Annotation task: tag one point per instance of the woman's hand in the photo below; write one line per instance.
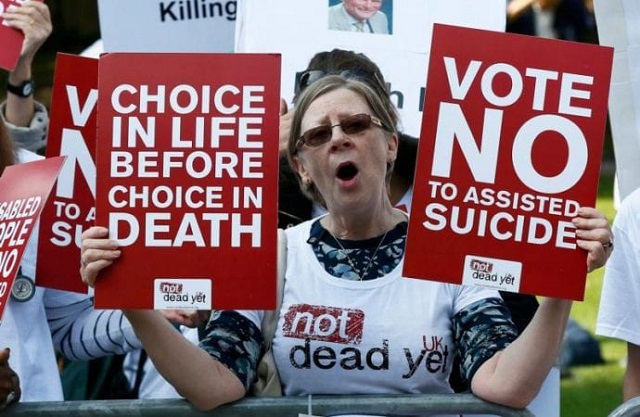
(97, 252)
(9, 381)
(34, 20)
(188, 318)
(593, 235)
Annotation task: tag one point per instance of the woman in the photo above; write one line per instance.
(349, 323)
(294, 207)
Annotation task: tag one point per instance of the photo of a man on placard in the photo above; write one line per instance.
(363, 16)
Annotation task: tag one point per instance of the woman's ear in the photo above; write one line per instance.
(298, 165)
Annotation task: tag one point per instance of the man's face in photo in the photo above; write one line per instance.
(362, 9)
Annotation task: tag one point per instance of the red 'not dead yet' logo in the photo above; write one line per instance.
(170, 288)
(481, 266)
(329, 324)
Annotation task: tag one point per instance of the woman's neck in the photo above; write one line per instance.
(355, 226)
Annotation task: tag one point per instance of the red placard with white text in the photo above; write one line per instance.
(70, 208)
(511, 146)
(187, 175)
(10, 39)
(23, 190)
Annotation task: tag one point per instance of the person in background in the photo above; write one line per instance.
(24, 118)
(619, 310)
(343, 145)
(358, 16)
(37, 320)
(569, 20)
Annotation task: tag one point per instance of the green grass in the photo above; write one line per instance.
(595, 390)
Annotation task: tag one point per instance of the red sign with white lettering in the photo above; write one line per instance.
(10, 39)
(23, 190)
(187, 176)
(510, 148)
(70, 208)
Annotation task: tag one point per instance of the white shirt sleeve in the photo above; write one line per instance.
(619, 311)
(80, 332)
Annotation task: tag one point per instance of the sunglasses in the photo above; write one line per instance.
(306, 78)
(350, 125)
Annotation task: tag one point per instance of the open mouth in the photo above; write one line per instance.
(347, 171)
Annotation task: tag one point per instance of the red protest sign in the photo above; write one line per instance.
(10, 39)
(70, 208)
(187, 173)
(23, 190)
(511, 146)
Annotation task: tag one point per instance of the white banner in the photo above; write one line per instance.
(618, 27)
(299, 29)
(167, 25)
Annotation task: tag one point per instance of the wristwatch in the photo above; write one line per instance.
(25, 89)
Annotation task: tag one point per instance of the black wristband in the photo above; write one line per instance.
(25, 89)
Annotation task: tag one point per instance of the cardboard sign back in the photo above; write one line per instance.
(10, 39)
(187, 164)
(511, 146)
(70, 208)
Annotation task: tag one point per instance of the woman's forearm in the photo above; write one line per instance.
(204, 381)
(514, 376)
(19, 110)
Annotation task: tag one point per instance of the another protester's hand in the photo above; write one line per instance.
(593, 235)
(97, 252)
(285, 127)
(189, 318)
(34, 20)
(9, 381)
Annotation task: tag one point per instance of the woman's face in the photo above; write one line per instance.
(348, 170)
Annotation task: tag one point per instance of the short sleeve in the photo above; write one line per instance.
(481, 329)
(618, 313)
(235, 341)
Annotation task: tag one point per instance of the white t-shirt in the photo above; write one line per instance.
(619, 312)
(388, 335)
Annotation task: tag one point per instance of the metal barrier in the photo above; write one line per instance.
(630, 408)
(401, 405)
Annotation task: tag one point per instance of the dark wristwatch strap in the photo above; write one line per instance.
(25, 89)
